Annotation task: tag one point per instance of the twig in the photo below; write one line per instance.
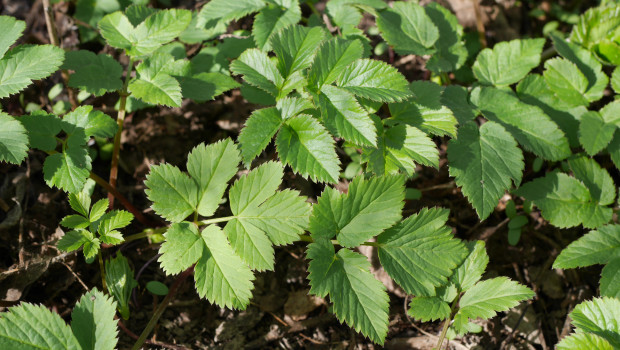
(76, 276)
(161, 308)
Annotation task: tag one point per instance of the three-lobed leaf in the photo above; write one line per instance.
(508, 62)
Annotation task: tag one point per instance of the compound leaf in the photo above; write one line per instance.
(332, 59)
(359, 299)
(408, 28)
(308, 148)
(96, 74)
(599, 316)
(13, 140)
(596, 247)
(296, 46)
(594, 133)
(565, 201)
(11, 30)
(374, 80)
(529, 125)
(345, 118)
(369, 207)
(428, 309)
(258, 131)
(92, 321)
(24, 64)
(596, 179)
(485, 162)
(211, 166)
(67, 170)
(259, 71)
(30, 326)
(488, 297)
(508, 62)
(73, 240)
(221, 276)
(420, 253)
(173, 193)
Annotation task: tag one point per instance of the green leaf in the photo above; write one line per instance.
(92, 321)
(332, 59)
(565, 201)
(451, 51)
(271, 19)
(566, 81)
(157, 288)
(181, 249)
(374, 80)
(595, 24)
(84, 122)
(596, 179)
(359, 299)
(485, 162)
(398, 147)
(290, 107)
(173, 193)
(611, 113)
(250, 242)
(258, 131)
(67, 170)
(221, 276)
(13, 140)
(534, 90)
(138, 13)
(587, 64)
(211, 166)
(408, 29)
(158, 29)
(369, 207)
(117, 31)
(114, 220)
(80, 202)
(615, 80)
(308, 148)
(420, 252)
(96, 74)
(345, 118)
(73, 240)
(155, 87)
(30, 326)
(610, 279)
(508, 62)
(428, 309)
(599, 316)
(488, 297)
(529, 125)
(583, 341)
(203, 87)
(226, 11)
(456, 98)
(259, 71)
(296, 46)
(346, 13)
(11, 30)
(471, 269)
(75, 221)
(594, 133)
(42, 130)
(596, 247)
(425, 110)
(120, 281)
(23, 64)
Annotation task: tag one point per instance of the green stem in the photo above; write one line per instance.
(102, 268)
(120, 120)
(161, 308)
(214, 221)
(144, 234)
(309, 239)
(447, 322)
(314, 10)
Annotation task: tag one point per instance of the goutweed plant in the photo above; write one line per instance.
(323, 94)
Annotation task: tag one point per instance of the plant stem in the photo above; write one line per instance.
(120, 120)
(102, 268)
(446, 323)
(161, 308)
(214, 221)
(147, 232)
(52, 32)
(115, 194)
(314, 10)
(309, 239)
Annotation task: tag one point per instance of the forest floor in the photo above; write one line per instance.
(281, 315)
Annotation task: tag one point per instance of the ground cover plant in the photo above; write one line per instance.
(464, 186)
